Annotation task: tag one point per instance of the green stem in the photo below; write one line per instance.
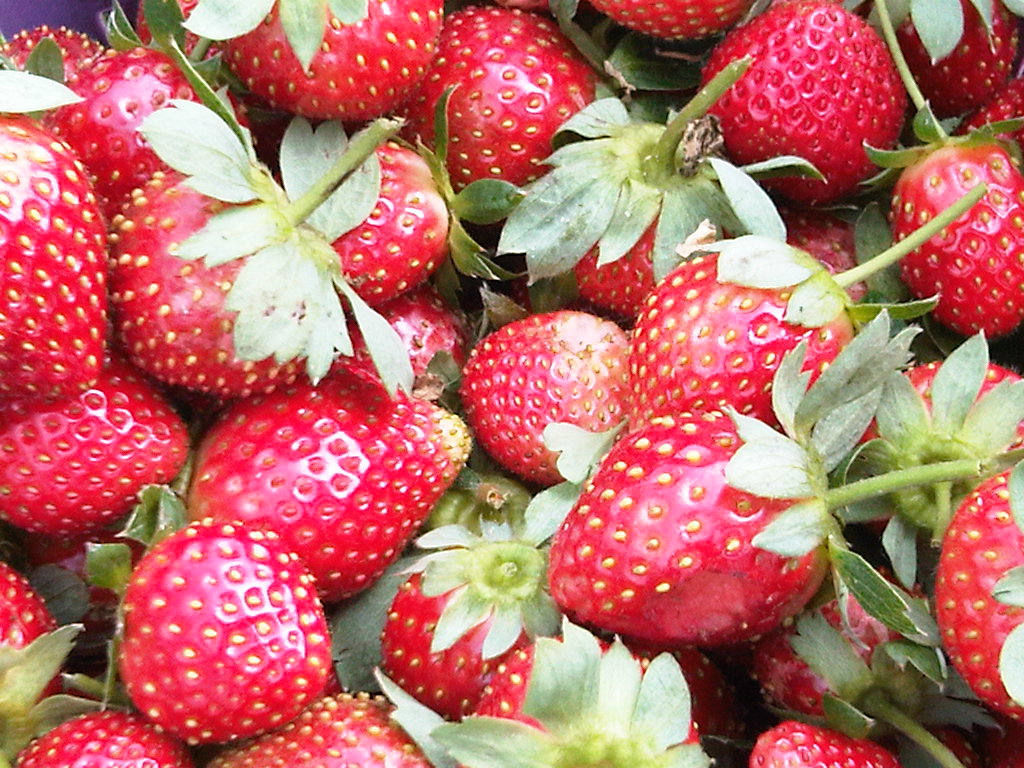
(943, 510)
(878, 706)
(360, 147)
(663, 156)
(915, 239)
(898, 479)
(199, 49)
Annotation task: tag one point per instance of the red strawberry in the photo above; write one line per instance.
(405, 238)
(981, 544)
(658, 547)
(674, 19)
(827, 238)
(704, 344)
(53, 297)
(623, 285)
(973, 267)
(224, 636)
(73, 465)
(792, 744)
(822, 84)
(565, 366)
(343, 472)
(107, 739)
(979, 64)
(191, 39)
(120, 89)
(517, 78)
(360, 71)
(341, 730)
(169, 313)
(23, 614)
(77, 48)
(1005, 103)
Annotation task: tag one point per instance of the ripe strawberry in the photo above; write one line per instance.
(106, 739)
(77, 48)
(622, 285)
(344, 729)
(973, 267)
(73, 465)
(224, 636)
(564, 366)
(821, 86)
(674, 19)
(23, 614)
(703, 344)
(360, 71)
(53, 297)
(169, 313)
(120, 89)
(517, 78)
(658, 547)
(827, 238)
(792, 744)
(342, 472)
(405, 238)
(976, 68)
(191, 39)
(981, 544)
(1005, 103)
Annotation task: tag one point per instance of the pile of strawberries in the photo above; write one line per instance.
(526, 384)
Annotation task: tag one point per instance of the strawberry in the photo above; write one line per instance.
(119, 89)
(23, 614)
(674, 19)
(557, 367)
(703, 343)
(822, 84)
(973, 266)
(53, 298)
(828, 238)
(169, 313)
(516, 79)
(343, 472)
(981, 546)
(658, 547)
(357, 70)
(620, 286)
(344, 729)
(405, 238)
(792, 744)
(106, 739)
(76, 464)
(979, 64)
(77, 48)
(1005, 103)
(224, 636)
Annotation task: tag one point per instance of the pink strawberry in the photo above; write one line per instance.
(224, 636)
(792, 744)
(53, 298)
(565, 366)
(516, 79)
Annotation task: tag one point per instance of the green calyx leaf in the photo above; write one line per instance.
(46, 60)
(762, 262)
(108, 565)
(225, 19)
(816, 301)
(493, 742)
(386, 348)
(118, 29)
(25, 672)
(831, 656)
(1009, 589)
(486, 201)
(165, 21)
(579, 450)
(751, 204)
(304, 23)
(421, 723)
(1011, 664)
(939, 25)
(546, 511)
(160, 512)
(769, 464)
(797, 530)
(22, 92)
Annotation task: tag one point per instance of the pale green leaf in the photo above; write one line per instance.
(564, 682)
(762, 262)
(349, 12)
(777, 469)
(463, 611)
(751, 204)
(579, 449)
(1011, 664)
(663, 706)
(233, 233)
(816, 302)
(939, 25)
(957, 383)
(684, 208)
(797, 530)
(636, 210)
(507, 625)
(844, 716)
(444, 572)
(492, 742)
(901, 414)
(387, 350)
(991, 424)
(1009, 589)
(419, 721)
(1015, 486)
(25, 672)
(225, 19)
(619, 684)
(789, 384)
(831, 655)
(599, 119)
(304, 23)
(547, 510)
(899, 540)
(927, 660)
(840, 430)
(21, 92)
(447, 536)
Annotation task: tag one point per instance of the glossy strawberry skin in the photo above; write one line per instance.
(564, 366)
(659, 548)
(516, 78)
(822, 84)
(77, 48)
(169, 313)
(828, 238)
(53, 299)
(73, 465)
(1005, 103)
(361, 71)
(973, 266)
(105, 739)
(341, 730)
(980, 545)
(675, 19)
(622, 286)
(792, 744)
(341, 471)
(979, 64)
(701, 345)
(224, 636)
(120, 89)
(405, 239)
(23, 614)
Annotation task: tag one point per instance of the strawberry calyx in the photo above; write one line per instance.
(479, 498)
(596, 708)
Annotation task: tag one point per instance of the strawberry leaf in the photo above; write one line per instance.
(637, 60)
(663, 704)
(603, 118)
(349, 11)
(957, 383)
(899, 540)
(782, 166)
(159, 512)
(684, 209)
(837, 432)
(506, 627)
(797, 530)
(636, 209)
(831, 655)
(417, 720)
(1009, 589)
(304, 23)
(789, 385)
(579, 450)
(108, 565)
(901, 414)
(816, 302)
(386, 348)
(233, 233)
(164, 20)
(493, 742)
(991, 424)
(768, 464)
(486, 201)
(118, 29)
(927, 660)
(760, 262)
(843, 716)
(463, 611)
(469, 257)
(1015, 487)
(26, 672)
(939, 25)
(225, 19)
(751, 204)
(565, 680)
(191, 138)
(1011, 664)
(46, 60)
(865, 312)
(307, 155)
(546, 511)
(65, 594)
(619, 682)
(22, 92)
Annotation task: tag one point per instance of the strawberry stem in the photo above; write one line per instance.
(663, 156)
(877, 705)
(360, 147)
(918, 237)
